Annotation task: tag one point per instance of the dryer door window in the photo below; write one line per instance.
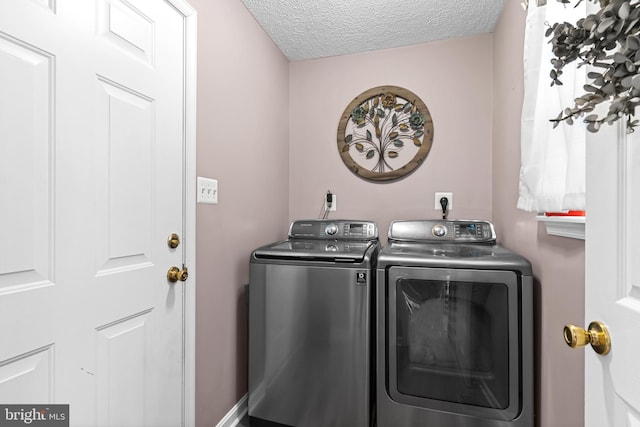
(453, 340)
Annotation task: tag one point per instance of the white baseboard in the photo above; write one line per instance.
(236, 413)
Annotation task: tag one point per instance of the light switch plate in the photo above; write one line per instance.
(207, 190)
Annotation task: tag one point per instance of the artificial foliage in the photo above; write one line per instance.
(609, 42)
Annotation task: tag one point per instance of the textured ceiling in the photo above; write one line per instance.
(306, 29)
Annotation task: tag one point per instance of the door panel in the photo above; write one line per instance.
(125, 159)
(25, 127)
(27, 376)
(127, 28)
(124, 362)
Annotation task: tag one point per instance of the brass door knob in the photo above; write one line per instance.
(173, 241)
(597, 335)
(174, 274)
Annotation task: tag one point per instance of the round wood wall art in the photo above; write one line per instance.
(385, 133)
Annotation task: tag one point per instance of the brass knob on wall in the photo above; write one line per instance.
(597, 335)
(174, 274)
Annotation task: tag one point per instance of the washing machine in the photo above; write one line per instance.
(310, 315)
(454, 328)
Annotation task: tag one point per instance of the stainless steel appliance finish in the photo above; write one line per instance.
(309, 326)
(454, 328)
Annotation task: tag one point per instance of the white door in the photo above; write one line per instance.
(92, 132)
(612, 381)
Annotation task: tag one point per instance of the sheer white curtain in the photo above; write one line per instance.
(552, 160)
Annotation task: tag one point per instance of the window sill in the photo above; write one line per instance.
(564, 226)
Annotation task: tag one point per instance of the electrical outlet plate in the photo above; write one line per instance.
(437, 206)
(333, 207)
(207, 191)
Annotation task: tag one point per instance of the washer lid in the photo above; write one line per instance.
(448, 255)
(317, 250)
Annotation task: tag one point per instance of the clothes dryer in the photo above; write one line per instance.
(310, 314)
(454, 328)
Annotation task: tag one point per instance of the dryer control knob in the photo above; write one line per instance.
(331, 229)
(439, 230)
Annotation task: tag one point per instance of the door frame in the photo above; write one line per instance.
(189, 208)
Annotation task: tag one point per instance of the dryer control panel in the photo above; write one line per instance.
(326, 229)
(464, 231)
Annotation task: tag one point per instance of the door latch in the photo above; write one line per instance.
(176, 274)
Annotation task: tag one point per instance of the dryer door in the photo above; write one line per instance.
(453, 340)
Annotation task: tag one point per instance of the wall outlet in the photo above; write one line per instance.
(333, 207)
(207, 191)
(437, 206)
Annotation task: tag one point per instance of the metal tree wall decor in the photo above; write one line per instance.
(609, 41)
(385, 133)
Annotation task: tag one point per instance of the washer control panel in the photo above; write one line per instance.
(333, 229)
(442, 230)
